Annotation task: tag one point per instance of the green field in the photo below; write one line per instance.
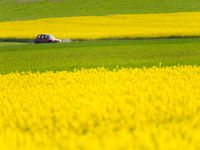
(31, 9)
(90, 54)
(15, 56)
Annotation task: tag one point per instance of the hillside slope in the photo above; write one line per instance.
(31, 9)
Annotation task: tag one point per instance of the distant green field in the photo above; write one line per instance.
(31, 9)
(91, 54)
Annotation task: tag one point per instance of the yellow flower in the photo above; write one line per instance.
(155, 108)
(103, 27)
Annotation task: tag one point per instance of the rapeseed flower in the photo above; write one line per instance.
(148, 108)
(184, 24)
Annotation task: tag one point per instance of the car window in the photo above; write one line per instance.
(45, 36)
(41, 36)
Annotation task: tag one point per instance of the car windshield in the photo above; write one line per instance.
(51, 37)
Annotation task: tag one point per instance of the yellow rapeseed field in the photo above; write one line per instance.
(97, 109)
(104, 27)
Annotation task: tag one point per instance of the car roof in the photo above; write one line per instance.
(44, 34)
